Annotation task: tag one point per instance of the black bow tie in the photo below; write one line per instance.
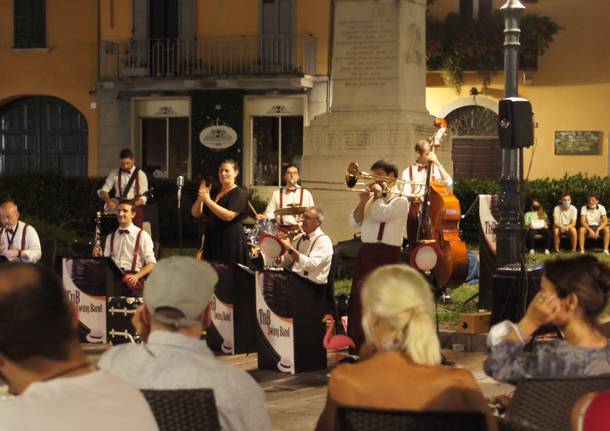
(305, 237)
(11, 231)
(127, 171)
(122, 231)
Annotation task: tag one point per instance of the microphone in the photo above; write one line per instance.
(180, 184)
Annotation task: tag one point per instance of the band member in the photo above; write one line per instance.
(130, 247)
(18, 240)
(310, 254)
(129, 183)
(224, 231)
(292, 194)
(417, 173)
(381, 219)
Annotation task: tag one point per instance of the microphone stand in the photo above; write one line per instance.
(180, 183)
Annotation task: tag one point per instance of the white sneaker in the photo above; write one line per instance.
(606, 252)
(582, 252)
(532, 251)
(546, 251)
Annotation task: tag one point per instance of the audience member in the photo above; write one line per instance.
(573, 292)
(593, 222)
(592, 412)
(398, 323)
(564, 220)
(177, 307)
(537, 223)
(57, 387)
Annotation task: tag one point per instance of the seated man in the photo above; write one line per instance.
(564, 219)
(593, 221)
(57, 387)
(18, 240)
(177, 304)
(311, 253)
(130, 248)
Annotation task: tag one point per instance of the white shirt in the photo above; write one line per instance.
(412, 173)
(174, 361)
(565, 216)
(391, 210)
(316, 255)
(594, 216)
(112, 182)
(95, 401)
(288, 199)
(32, 251)
(122, 251)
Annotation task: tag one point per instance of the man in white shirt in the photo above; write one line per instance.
(381, 219)
(130, 248)
(56, 386)
(175, 312)
(311, 253)
(292, 194)
(416, 175)
(593, 221)
(18, 240)
(126, 188)
(564, 220)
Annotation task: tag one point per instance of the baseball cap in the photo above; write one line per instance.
(183, 283)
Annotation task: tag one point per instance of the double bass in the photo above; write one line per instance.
(439, 250)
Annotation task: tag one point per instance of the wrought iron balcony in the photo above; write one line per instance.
(208, 57)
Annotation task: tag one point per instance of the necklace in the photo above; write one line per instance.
(68, 371)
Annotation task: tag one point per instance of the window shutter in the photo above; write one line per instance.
(29, 19)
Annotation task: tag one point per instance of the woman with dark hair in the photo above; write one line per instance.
(224, 232)
(573, 293)
(536, 222)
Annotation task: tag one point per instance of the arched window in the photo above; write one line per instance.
(476, 150)
(42, 134)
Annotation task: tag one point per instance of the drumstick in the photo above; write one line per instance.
(252, 208)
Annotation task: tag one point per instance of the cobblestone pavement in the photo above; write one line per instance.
(295, 402)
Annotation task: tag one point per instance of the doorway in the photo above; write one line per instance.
(165, 146)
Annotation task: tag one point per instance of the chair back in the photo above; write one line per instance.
(183, 409)
(361, 419)
(546, 403)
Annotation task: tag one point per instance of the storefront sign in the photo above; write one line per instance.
(218, 137)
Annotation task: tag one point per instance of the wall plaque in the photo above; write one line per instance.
(578, 143)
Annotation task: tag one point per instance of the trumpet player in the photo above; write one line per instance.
(381, 218)
(292, 194)
(415, 178)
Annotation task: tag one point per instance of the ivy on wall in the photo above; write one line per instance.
(457, 44)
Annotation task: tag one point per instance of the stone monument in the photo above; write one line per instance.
(378, 109)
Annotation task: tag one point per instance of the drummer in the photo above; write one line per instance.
(291, 195)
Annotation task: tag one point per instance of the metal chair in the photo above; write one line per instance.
(360, 419)
(546, 403)
(183, 409)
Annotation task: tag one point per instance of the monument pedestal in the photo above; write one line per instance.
(378, 100)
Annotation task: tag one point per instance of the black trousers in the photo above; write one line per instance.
(530, 239)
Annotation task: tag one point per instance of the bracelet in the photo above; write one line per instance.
(520, 335)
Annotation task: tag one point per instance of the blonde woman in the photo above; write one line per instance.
(404, 372)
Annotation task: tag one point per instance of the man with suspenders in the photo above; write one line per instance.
(380, 219)
(129, 183)
(130, 247)
(310, 254)
(18, 240)
(290, 195)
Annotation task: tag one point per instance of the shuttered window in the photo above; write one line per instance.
(29, 23)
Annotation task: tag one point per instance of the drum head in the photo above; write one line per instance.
(271, 246)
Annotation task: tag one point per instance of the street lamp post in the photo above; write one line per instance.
(509, 229)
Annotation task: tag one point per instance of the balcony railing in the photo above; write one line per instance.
(208, 57)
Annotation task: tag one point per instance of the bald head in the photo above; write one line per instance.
(9, 214)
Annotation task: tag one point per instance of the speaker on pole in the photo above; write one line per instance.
(516, 125)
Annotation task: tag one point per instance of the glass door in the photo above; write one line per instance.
(165, 146)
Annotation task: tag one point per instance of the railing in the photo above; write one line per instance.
(203, 57)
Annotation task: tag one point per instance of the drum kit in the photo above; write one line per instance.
(265, 237)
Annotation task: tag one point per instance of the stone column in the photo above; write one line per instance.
(378, 82)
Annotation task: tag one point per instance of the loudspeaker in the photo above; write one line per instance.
(516, 125)
(510, 297)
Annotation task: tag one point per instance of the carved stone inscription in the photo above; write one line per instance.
(365, 61)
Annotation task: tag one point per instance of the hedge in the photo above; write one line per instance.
(64, 207)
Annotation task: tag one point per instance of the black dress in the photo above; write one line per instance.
(224, 240)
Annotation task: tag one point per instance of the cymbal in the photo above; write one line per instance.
(290, 211)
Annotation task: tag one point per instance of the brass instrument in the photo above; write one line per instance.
(97, 239)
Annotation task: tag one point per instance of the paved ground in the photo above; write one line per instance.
(295, 402)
